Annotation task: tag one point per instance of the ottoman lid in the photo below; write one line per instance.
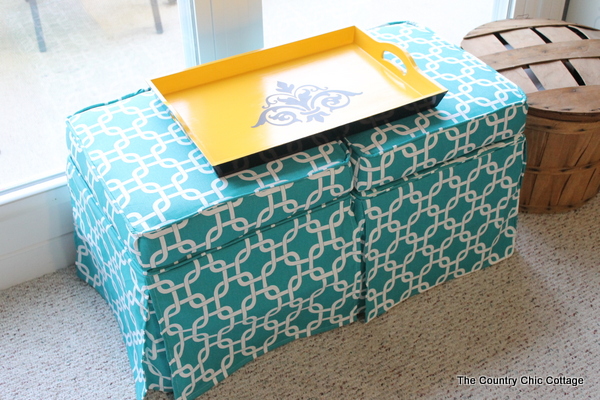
(480, 108)
(165, 200)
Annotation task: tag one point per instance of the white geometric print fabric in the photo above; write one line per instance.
(444, 223)
(293, 280)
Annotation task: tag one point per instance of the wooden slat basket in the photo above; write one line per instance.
(558, 65)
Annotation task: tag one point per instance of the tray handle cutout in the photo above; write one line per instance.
(386, 52)
(399, 64)
(406, 69)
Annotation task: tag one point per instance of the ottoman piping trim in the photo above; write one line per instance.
(127, 96)
(140, 233)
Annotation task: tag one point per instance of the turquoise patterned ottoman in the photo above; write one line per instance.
(203, 273)
(437, 193)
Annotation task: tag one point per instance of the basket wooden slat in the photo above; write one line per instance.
(589, 70)
(520, 77)
(558, 34)
(543, 53)
(558, 65)
(522, 38)
(512, 24)
(576, 104)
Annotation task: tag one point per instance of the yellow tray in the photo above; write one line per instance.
(247, 109)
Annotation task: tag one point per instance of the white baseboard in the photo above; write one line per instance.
(35, 261)
(36, 231)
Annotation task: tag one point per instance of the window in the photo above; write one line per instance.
(290, 20)
(85, 52)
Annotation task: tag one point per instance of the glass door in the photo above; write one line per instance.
(59, 56)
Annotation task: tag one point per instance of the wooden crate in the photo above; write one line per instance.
(558, 65)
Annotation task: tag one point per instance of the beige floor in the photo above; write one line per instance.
(101, 50)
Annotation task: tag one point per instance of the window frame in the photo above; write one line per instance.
(215, 29)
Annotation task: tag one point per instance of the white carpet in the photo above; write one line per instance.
(533, 315)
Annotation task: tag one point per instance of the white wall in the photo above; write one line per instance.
(36, 232)
(586, 12)
(551, 9)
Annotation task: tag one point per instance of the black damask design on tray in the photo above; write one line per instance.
(302, 104)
